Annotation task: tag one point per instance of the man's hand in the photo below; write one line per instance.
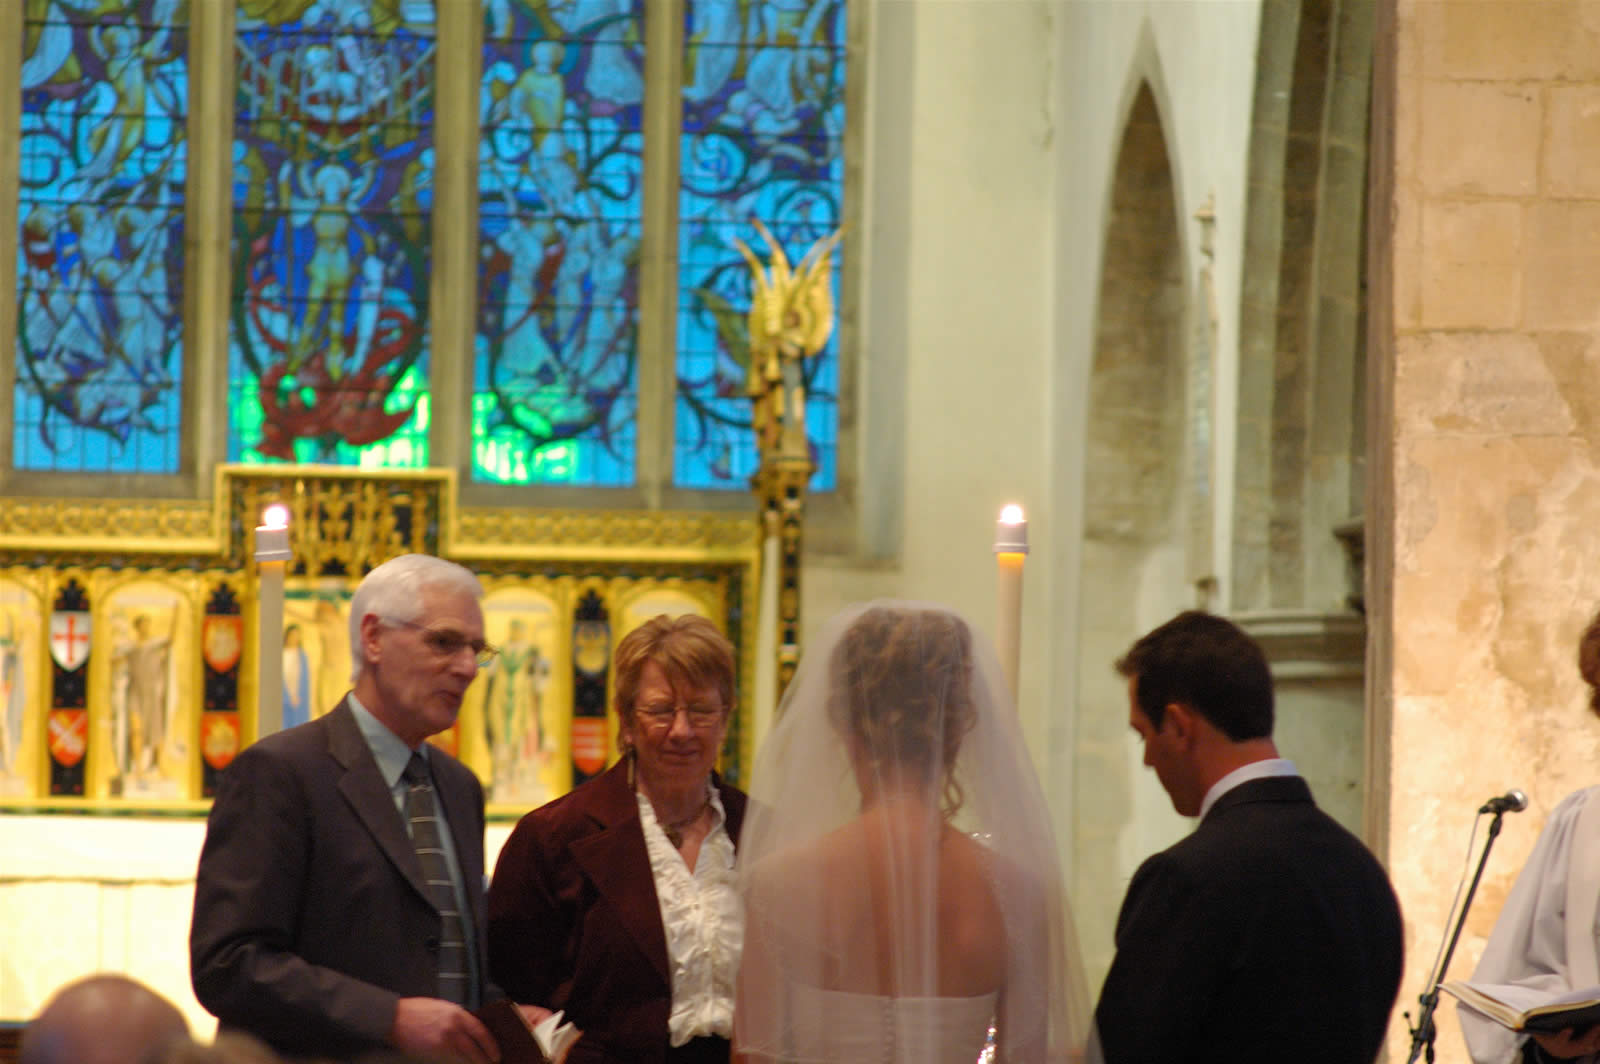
(1570, 1043)
(439, 1030)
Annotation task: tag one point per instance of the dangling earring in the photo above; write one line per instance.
(629, 753)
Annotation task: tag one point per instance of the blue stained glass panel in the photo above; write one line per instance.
(560, 221)
(763, 138)
(333, 192)
(99, 346)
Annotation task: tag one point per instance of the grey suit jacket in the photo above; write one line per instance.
(1270, 934)
(311, 916)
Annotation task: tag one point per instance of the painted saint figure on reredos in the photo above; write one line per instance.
(316, 651)
(21, 687)
(519, 744)
(151, 639)
(296, 677)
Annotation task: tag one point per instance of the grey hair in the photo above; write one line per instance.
(394, 589)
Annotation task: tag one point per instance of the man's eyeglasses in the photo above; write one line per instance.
(660, 717)
(448, 644)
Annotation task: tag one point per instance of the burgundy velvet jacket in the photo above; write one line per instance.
(574, 923)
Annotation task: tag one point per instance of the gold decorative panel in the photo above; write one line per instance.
(508, 533)
(342, 521)
(106, 525)
(129, 629)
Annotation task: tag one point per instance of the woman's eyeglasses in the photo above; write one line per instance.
(660, 717)
(447, 644)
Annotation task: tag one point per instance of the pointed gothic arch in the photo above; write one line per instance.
(1133, 502)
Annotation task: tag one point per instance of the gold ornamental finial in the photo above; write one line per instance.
(791, 318)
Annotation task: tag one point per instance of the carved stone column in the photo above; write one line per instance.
(1318, 671)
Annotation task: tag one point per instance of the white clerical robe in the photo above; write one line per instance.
(1532, 944)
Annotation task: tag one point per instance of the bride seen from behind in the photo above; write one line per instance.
(898, 867)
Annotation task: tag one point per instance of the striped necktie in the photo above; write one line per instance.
(422, 813)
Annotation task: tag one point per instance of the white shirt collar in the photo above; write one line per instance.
(1255, 770)
(388, 749)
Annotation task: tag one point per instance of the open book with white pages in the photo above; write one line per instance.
(1523, 1008)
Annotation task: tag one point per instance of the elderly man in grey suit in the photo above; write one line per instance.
(339, 901)
(1269, 934)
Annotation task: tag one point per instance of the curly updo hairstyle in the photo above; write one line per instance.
(1589, 662)
(901, 692)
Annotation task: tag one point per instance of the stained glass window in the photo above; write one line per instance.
(333, 196)
(331, 160)
(99, 346)
(560, 220)
(763, 138)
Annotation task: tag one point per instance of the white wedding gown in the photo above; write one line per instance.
(839, 1027)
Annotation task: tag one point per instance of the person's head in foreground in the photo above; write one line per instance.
(102, 1019)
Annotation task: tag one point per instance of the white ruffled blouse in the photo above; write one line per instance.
(704, 922)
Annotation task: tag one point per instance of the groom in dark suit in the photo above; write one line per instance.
(334, 915)
(1269, 934)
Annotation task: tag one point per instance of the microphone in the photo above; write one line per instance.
(1513, 801)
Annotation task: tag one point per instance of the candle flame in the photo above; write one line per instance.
(275, 516)
(1011, 514)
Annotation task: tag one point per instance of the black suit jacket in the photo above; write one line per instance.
(311, 916)
(1269, 934)
(574, 922)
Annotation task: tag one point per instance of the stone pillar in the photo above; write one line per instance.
(454, 276)
(11, 26)
(1316, 661)
(1484, 494)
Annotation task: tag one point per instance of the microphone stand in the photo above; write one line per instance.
(1423, 1033)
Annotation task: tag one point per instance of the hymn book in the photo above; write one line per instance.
(521, 1042)
(1523, 1008)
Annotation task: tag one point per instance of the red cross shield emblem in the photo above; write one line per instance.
(69, 638)
(219, 739)
(69, 733)
(221, 641)
(589, 744)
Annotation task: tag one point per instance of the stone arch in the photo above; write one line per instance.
(1300, 460)
(1133, 529)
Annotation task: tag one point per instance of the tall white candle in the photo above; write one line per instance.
(272, 559)
(766, 687)
(1010, 548)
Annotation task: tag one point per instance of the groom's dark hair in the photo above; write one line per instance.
(1209, 664)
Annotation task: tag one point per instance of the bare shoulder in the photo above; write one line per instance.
(974, 874)
(806, 867)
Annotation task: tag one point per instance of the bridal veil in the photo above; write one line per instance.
(898, 865)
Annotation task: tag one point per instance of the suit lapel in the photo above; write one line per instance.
(364, 788)
(616, 862)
